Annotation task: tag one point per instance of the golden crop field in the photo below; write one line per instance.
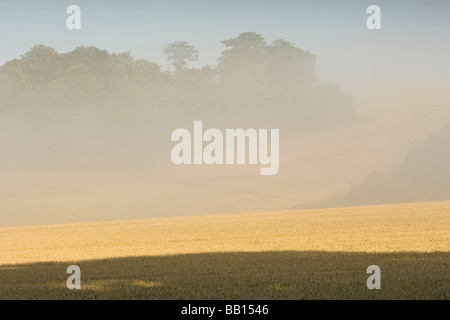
(309, 254)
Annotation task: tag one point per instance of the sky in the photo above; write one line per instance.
(411, 49)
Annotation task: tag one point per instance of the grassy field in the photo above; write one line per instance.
(310, 254)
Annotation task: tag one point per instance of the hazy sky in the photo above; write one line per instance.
(411, 50)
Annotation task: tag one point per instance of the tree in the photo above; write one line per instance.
(247, 48)
(249, 58)
(179, 54)
(290, 65)
(41, 64)
(248, 44)
(243, 62)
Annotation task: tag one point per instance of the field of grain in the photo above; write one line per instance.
(309, 254)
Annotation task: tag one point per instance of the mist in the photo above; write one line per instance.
(86, 135)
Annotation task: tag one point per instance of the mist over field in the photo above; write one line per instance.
(86, 116)
(85, 135)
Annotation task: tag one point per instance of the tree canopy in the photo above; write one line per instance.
(179, 54)
(252, 80)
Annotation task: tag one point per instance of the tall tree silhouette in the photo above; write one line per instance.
(179, 54)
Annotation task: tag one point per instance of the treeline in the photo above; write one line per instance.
(253, 81)
(89, 108)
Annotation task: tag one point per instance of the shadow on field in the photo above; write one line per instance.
(236, 275)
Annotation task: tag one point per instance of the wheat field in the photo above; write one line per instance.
(308, 254)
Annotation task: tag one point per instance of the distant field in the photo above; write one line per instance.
(310, 254)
